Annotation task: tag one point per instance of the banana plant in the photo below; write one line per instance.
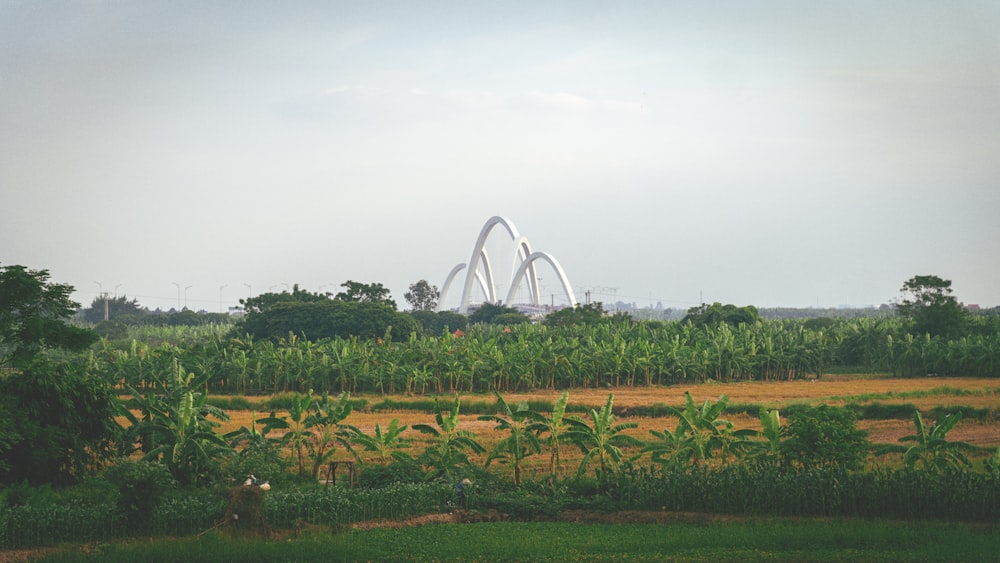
(556, 427)
(446, 454)
(298, 433)
(385, 444)
(173, 426)
(326, 430)
(700, 432)
(601, 439)
(932, 450)
(521, 441)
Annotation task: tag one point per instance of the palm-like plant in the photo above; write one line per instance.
(174, 425)
(447, 454)
(298, 433)
(932, 449)
(326, 430)
(700, 433)
(556, 427)
(521, 441)
(601, 439)
(386, 444)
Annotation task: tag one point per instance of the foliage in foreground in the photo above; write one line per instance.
(756, 539)
(762, 490)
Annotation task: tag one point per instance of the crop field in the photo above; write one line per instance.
(924, 393)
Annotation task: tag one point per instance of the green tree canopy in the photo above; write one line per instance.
(422, 296)
(589, 314)
(118, 308)
(717, 313)
(365, 292)
(489, 313)
(434, 323)
(930, 307)
(33, 315)
(265, 301)
(57, 420)
(328, 319)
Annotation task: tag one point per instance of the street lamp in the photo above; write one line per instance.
(178, 295)
(221, 287)
(100, 290)
(116, 290)
(186, 295)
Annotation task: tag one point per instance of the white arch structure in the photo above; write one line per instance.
(522, 255)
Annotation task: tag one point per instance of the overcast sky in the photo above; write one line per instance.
(767, 153)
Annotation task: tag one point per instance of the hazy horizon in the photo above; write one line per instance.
(772, 153)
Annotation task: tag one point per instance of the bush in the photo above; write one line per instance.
(140, 485)
(824, 436)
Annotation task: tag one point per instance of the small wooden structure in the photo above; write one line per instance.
(331, 472)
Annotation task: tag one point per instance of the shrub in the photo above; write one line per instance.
(824, 436)
(140, 485)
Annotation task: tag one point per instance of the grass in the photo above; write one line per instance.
(743, 540)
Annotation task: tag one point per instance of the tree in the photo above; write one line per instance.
(824, 436)
(369, 292)
(928, 304)
(435, 323)
(263, 302)
(118, 308)
(489, 313)
(330, 319)
(717, 313)
(422, 296)
(32, 317)
(56, 421)
(589, 314)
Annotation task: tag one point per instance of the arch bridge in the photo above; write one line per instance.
(479, 270)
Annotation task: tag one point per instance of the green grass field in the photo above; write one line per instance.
(739, 540)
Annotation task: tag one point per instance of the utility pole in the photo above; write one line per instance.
(178, 295)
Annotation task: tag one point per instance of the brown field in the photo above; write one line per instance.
(833, 390)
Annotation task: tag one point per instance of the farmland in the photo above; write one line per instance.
(774, 418)
(925, 393)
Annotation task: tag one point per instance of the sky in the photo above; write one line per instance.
(768, 153)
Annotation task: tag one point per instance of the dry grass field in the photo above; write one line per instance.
(925, 393)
